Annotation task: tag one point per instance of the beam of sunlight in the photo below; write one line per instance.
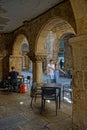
(21, 103)
(48, 101)
(69, 101)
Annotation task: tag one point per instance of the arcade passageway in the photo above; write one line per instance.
(31, 33)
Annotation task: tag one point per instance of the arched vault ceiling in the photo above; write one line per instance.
(14, 12)
(62, 27)
(58, 26)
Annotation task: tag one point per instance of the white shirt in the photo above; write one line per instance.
(51, 71)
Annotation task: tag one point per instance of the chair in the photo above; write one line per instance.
(27, 81)
(49, 93)
(5, 84)
(18, 84)
(35, 92)
(14, 84)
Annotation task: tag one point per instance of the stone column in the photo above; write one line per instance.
(1, 67)
(23, 62)
(34, 70)
(56, 49)
(67, 55)
(33, 59)
(30, 65)
(39, 72)
(4, 66)
(37, 60)
(16, 61)
(26, 62)
(79, 110)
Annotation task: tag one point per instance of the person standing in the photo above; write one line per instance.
(13, 74)
(56, 73)
(50, 70)
(61, 64)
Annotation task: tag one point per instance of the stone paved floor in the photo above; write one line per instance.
(16, 114)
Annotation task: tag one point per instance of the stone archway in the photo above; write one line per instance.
(25, 59)
(16, 58)
(58, 27)
(65, 36)
(66, 49)
(80, 13)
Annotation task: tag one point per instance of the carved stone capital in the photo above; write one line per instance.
(37, 56)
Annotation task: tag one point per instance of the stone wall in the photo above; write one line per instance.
(79, 46)
(68, 59)
(16, 61)
(80, 13)
(5, 50)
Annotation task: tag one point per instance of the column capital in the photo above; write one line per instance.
(37, 56)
